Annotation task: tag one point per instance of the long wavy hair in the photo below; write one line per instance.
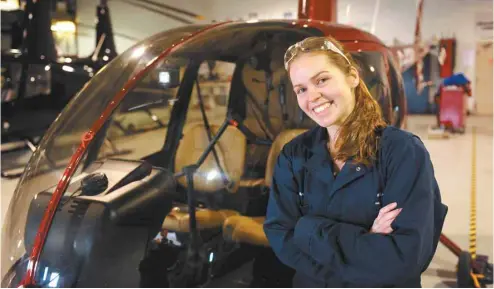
(358, 135)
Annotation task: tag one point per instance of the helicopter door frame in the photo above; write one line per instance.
(178, 117)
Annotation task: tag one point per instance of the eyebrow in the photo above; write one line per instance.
(316, 75)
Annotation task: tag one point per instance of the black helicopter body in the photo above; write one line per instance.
(37, 83)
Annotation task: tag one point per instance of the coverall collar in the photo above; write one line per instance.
(320, 163)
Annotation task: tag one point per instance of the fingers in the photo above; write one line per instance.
(390, 215)
(382, 223)
(385, 226)
(384, 211)
(387, 208)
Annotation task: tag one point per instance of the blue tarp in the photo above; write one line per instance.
(456, 79)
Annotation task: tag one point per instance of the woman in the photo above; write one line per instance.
(353, 200)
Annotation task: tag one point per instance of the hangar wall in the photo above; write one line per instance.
(135, 22)
(395, 19)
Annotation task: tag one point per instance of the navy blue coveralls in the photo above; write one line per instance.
(319, 224)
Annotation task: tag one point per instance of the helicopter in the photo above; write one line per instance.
(37, 82)
(164, 212)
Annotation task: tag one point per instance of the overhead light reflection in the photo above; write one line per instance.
(68, 68)
(45, 274)
(9, 5)
(63, 26)
(54, 277)
(211, 175)
(138, 52)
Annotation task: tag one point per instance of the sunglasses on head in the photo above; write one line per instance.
(311, 44)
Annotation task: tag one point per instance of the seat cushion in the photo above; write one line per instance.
(178, 219)
(283, 138)
(244, 229)
(230, 150)
(251, 183)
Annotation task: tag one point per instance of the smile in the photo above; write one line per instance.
(322, 107)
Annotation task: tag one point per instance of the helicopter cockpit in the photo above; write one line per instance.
(165, 128)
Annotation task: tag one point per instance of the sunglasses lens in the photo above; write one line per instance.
(310, 44)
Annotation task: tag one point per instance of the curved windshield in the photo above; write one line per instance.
(149, 102)
(373, 72)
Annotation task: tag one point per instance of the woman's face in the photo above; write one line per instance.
(323, 91)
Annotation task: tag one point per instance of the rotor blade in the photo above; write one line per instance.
(418, 23)
(177, 18)
(178, 10)
(419, 65)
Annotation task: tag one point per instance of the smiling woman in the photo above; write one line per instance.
(331, 92)
(353, 202)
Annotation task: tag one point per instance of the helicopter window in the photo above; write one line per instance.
(397, 90)
(138, 127)
(212, 87)
(11, 29)
(271, 105)
(206, 112)
(38, 80)
(374, 73)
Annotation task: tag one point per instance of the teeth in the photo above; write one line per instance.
(321, 107)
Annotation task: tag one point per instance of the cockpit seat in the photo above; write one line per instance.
(245, 229)
(178, 219)
(208, 179)
(230, 149)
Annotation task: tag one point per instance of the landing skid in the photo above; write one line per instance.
(12, 173)
(26, 143)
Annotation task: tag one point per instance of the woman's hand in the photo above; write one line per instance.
(382, 224)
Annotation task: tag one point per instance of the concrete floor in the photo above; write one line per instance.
(452, 160)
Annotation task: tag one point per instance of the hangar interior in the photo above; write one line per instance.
(83, 52)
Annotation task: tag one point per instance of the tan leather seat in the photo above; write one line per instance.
(245, 229)
(231, 154)
(178, 219)
(250, 229)
(230, 149)
(283, 138)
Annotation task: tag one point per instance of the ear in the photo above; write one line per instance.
(353, 78)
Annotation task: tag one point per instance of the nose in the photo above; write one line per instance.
(314, 95)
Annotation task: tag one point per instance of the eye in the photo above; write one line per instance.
(299, 91)
(322, 80)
